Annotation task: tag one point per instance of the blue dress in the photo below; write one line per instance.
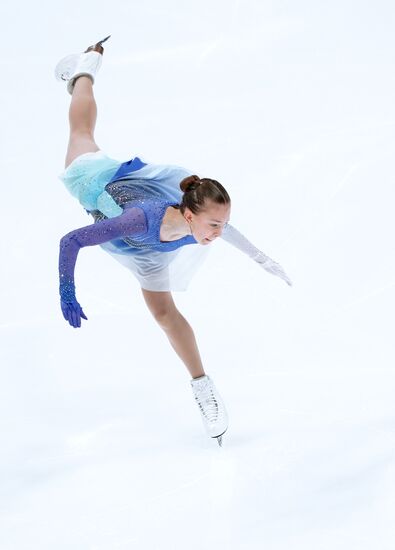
(128, 202)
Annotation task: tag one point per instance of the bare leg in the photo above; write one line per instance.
(82, 118)
(177, 329)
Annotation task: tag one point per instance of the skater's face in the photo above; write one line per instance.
(208, 225)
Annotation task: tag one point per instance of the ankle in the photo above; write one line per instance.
(84, 81)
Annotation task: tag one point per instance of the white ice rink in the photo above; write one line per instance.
(291, 106)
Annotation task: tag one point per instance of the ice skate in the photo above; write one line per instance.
(80, 64)
(211, 406)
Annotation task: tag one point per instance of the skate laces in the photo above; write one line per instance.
(206, 400)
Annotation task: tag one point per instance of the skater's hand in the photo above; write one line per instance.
(71, 309)
(272, 267)
(72, 312)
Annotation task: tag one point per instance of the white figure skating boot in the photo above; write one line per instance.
(211, 406)
(80, 64)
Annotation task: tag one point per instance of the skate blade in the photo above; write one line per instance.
(219, 438)
(101, 41)
(98, 46)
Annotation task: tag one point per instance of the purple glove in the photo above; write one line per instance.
(71, 309)
(72, 312)
(132, 222)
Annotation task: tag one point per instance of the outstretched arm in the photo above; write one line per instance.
(235, 238)
(130, 223)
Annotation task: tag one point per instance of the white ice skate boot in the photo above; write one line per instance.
(211, 406)
(80, 64)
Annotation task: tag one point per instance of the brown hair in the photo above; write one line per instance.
(197, 191)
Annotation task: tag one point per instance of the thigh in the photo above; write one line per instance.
(78, 145)
(160, 304)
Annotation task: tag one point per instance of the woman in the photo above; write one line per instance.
(144, 221)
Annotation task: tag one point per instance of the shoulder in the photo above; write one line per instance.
(151, 207)
(134, 219)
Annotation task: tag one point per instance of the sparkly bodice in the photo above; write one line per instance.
(154, 210)
(148, 196)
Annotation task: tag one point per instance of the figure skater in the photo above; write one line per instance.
(157, 220)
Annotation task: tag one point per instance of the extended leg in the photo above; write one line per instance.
(79, 71)
(177, 329)
(181, 337)
(82, 118)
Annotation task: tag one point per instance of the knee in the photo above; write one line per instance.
(161, 306)
(165, 317)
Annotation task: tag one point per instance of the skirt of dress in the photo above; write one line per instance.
(86, 178)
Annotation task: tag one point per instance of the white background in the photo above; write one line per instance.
(291, 106)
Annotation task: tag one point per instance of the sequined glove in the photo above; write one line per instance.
(129, 224)
(71, 309)
(272, 267)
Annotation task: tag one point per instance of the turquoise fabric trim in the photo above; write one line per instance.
(107, 205)
(86, 178)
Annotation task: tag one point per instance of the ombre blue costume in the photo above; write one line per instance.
(128, 202)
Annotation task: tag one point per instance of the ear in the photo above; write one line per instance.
(188, 214)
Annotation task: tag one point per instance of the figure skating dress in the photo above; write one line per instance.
(106, 188)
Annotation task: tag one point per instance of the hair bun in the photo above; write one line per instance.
(190, 183)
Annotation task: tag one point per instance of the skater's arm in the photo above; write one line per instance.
(131, 223)
(235, 238)
(231, 235)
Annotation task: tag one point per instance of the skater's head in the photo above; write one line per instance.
(206, 207)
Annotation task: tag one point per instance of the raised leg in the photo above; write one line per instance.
(177, 329)
(82, 118)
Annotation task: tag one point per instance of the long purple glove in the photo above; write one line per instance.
(131, 222)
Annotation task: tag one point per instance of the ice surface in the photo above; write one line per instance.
(289, 105)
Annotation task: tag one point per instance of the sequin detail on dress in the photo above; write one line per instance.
(127, 194)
